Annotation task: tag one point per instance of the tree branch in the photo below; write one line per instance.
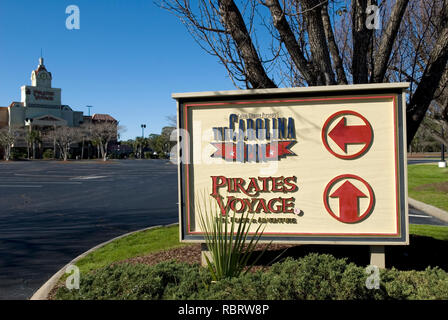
(318, 42)
(387, 40)
(430, 80)
(334, 50)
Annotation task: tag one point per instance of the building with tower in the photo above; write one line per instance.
(40, 109)
(40, 105)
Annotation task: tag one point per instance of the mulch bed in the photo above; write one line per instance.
(192, 254)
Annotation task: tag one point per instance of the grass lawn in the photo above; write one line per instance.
(429, 183)
(436, 232)
(137, 244)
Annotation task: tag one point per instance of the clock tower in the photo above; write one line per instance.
(41, 77)
(40, 91)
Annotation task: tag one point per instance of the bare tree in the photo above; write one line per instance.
(104, 132)
(31, 138)
(325, 42)
(65, 137)
(8, 137)
(85, 132)
(172, 120)
(437, 124)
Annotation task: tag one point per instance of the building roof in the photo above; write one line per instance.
(15, 102)
(41, 67)
(103, 117)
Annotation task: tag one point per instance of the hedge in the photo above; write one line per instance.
(315, 276)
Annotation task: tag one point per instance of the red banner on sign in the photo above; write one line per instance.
(242, 151)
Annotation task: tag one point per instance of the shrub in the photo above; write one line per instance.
(313, 277)
(147, 155)
(416, 285)
(166, 280)
(48, 154)
(317, 277)
(250, 286)
(17, 154)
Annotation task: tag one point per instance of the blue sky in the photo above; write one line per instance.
(126, 59)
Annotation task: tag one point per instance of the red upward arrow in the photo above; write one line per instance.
(343, 134)
(348, 196)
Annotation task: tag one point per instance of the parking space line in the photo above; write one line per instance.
(19, 186)
(419, 216)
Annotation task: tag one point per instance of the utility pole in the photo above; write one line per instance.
(143, 130)
(89, 109)
(143, 126)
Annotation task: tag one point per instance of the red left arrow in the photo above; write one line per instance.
(348, 196)
(343, 134)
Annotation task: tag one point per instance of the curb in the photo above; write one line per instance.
(44, 290)
(429, 209)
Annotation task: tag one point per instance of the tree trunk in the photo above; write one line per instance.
(318, 42)
(82, 149)
(65, 153)
(334, 50)
(105, 152)
(39, 149)
(234, 23)
(362, 38)
(7, 153)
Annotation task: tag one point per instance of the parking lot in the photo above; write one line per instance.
(50, 212)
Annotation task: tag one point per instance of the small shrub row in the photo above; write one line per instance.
(314, 277)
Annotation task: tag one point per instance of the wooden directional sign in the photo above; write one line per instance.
(313, 165)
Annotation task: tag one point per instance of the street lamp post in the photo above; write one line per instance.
(30, 122)
(143, 126)
(442, 162)
(89, 109)
(443, 147)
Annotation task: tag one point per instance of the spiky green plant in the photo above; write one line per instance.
(232, 246)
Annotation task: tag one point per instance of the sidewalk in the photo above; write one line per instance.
(429, 209)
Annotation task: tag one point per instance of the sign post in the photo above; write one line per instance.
(316, 165)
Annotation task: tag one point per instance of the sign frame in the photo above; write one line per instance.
(395, 91)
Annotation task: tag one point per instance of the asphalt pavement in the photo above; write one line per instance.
(51, 212)
(419, 217)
